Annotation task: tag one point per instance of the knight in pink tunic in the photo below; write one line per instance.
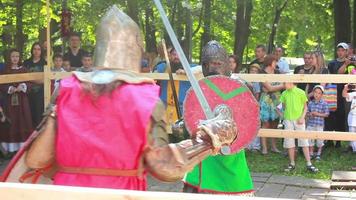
(106, 128)
(119, 147)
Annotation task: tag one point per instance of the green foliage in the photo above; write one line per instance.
(303, 23)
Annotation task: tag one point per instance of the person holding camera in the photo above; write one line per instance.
(336, 120)
(349, 92)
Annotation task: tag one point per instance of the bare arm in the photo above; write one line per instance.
(342, 69)
(305, 110)
(270, 88)
(301, 120)
(344, 91)
(257, 96)
(317, 114)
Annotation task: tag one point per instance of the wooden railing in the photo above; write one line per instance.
(299, 78)
(15, 191)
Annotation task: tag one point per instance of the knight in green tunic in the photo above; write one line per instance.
(220, 174)
(227, 174)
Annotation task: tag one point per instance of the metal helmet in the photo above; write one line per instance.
(119, 43)
(215, 60)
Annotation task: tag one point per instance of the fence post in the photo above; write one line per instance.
(47, 69)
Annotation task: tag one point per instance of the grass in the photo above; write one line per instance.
(332, 160)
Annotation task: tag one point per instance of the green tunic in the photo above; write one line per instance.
(222, 174)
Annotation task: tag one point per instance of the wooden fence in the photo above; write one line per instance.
(16, 191)
(299, 78)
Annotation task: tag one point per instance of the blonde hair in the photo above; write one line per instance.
(320, 62)
(256, 66)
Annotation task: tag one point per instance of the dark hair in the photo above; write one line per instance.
(65, 58)
(269, 60)
(33, 46)
(236, 59)
(261, 46)
(74, 34)
(8, 58)
(275, 49)
(86, 55)
(172, 50)
(57, 55)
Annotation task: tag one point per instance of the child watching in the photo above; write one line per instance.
(349, 93)
(255, 145)
(318, 110)
(58, 63)
(58, 67)
(87, 64)
(294, 101)
(66, 64)
(255, 69)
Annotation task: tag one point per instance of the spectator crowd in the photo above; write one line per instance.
(302, 106)
(21, 104)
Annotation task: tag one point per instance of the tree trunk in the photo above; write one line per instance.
(199, 23)
(7, 37)
(19, 36)
(342, 20)
(275, 23)
(132, 10)
(180, 20)
(206, 37)
(242, 27)
(173, 11)
(150, 36)
(188, 35)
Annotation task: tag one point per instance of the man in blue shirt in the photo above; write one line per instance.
(282, 63)
(166, 93)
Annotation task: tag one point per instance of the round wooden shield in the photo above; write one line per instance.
(232, 92)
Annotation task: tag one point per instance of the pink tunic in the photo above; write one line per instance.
(108, 133)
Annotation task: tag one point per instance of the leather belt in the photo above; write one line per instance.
(98, 171)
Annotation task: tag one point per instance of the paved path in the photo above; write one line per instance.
(275, 186)
(269, 185)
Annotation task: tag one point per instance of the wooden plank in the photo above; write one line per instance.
(297, 78)
(59, 75)
(343, 185)
(325, 135)
(156, 76)
(164, 76)
(16, 191)
(47, 69)
(343, 176)
(14, 78)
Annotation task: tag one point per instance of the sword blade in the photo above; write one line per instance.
(193, 81)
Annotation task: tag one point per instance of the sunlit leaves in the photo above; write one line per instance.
(302, 22)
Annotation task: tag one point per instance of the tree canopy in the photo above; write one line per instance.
(302, 26)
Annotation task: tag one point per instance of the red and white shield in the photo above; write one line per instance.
(233, 93)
